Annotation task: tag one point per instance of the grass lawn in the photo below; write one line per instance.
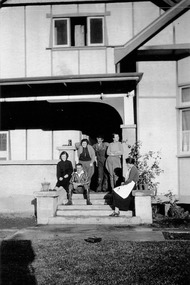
(112, 262)
(109, 262)
(71, 261)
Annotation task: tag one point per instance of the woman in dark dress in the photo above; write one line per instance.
(64, 171)
(122, 196)
(86, 156)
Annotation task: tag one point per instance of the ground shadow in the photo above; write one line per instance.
(16, 263)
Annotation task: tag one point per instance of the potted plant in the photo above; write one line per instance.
(148, 165)
(45, 185)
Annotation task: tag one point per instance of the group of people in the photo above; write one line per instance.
(107, 158)
(72, 181)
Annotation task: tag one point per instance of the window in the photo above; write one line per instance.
(95, 31)
(3, 142)
(185, 119)
(185, 95)
(3, 145)
(61, 32)
(186, 130)
(78, 31)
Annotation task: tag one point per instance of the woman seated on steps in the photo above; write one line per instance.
(122, 195)
(79, 179)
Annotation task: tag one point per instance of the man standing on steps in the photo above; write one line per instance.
(79, 179)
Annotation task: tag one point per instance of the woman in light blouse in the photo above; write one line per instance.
(114, 152)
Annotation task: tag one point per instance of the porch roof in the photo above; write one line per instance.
(163, 52)
(69, 85)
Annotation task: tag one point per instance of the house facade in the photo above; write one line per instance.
(70, 69)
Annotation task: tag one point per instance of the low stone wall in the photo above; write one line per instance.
(19, 180)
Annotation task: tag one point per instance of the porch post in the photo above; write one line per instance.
(129, 127)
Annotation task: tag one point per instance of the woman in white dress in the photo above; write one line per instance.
(122, 195)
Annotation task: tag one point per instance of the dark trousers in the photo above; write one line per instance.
(102, 175)
(84, 188)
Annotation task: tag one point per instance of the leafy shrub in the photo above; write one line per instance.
(148, 166)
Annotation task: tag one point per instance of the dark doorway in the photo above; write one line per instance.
(89, 117)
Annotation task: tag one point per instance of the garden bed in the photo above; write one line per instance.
(176, 235)
(166, 222)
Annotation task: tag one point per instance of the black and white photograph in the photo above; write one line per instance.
(94, 142)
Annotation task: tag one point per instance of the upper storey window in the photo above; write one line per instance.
(95, 31)
(78, 31)
(61, 32)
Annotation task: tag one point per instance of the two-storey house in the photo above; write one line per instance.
(70, 68)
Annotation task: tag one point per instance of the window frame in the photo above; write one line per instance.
(68, 32)
(4, 154)
(182, 106)
(89, 31)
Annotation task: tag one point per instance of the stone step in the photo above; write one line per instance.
(88, 211)
(95, 220)
(97, 213)
(93, 195)
(96, 198)
(83, 207)
(83, 201)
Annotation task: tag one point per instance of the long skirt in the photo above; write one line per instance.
(122, 197)
(123, 204)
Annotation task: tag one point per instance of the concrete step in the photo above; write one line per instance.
(93, 195)
(84, 207)
(88, 212)
(82, 201)
(96, 198)
(97, 213)
(95, 220)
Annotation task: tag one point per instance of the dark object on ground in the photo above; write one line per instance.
(93, 239)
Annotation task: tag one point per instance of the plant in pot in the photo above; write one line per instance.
(148, 165)
(45, 185)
